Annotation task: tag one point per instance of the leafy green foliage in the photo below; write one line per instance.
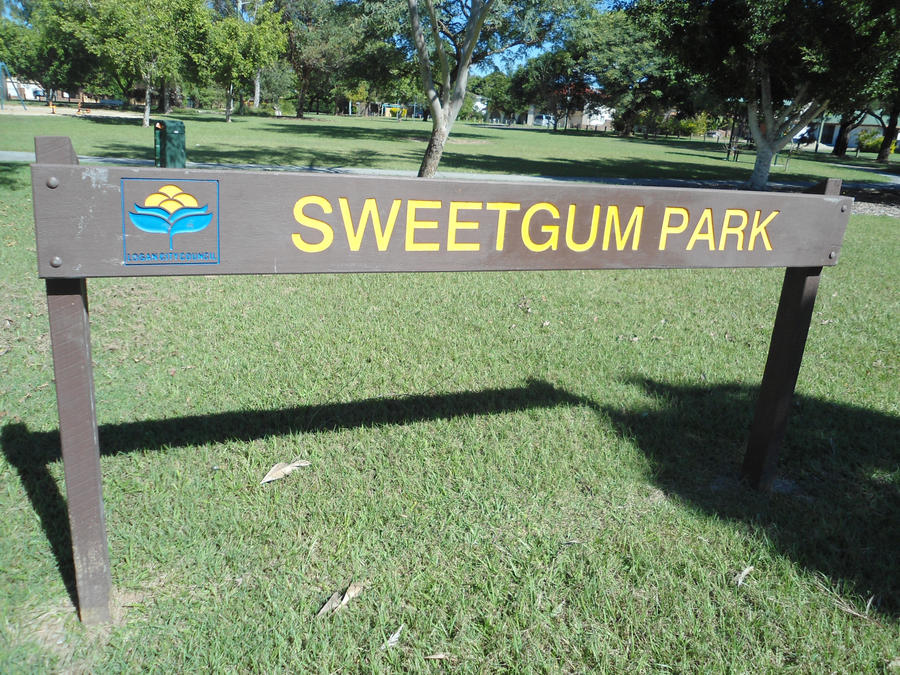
(143, 40)
(497, 89)
(237, 49)
(624, 62)
(40, 45)
(787, 59)
(553, 82)
(321, 36)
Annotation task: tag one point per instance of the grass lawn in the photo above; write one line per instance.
(527, 471)
(328, 141)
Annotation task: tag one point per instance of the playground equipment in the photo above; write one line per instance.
(5, 74)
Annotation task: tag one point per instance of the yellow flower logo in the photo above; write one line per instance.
(170, 210)
(171, 198)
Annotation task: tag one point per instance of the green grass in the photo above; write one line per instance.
(530, 471)
(325, 141)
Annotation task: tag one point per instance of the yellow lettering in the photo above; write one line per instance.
(570, 226)
(672, 229)
(547, 228)
(314, 223)
(369, 212)
(738, 230)
(412, 225)
(759, 230)
(456, 224)
(709, 234)
(503, 208)
(612, 223)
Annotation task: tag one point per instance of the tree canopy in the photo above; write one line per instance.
(782, 61)
(785, 60)
(452, 35)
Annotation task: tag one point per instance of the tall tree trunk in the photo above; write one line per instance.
(772, 131)
(760, 176)
(843, 138)
(446, 100)
(890, 135)
(229, 102)
(256, 80)
(165, 100)
(435, 149)
(302, 89)
(146, 122)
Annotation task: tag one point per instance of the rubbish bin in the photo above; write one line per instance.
(168, 137)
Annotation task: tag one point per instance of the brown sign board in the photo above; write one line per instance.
(108, 222)
(111, 222)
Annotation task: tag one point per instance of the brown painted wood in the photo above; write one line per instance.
(70, 341)
(776, 393)
(54, 150)
(86, 225)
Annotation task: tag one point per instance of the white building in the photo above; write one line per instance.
(29, 91)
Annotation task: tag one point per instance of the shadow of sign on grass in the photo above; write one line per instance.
(836, 507)
(32, 452)
(835, 511)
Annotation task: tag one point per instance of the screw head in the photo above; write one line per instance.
(52, 182)
(55, 261)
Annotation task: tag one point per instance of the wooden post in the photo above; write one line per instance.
(776, 393)
(70, 341)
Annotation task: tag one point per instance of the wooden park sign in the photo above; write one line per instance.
(127, 222)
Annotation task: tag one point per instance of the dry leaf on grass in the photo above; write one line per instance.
(282, 469)
(338, 599)
(334, 602)
(394, 639)
(739, 578)
(437, 657)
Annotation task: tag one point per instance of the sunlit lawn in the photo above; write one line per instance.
(334, 141)
(529, 472)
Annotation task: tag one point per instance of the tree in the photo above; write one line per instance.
(497, 90)
(246, 10)
(554, 82)
(888, 119)
(39, 45)
(238, 49)
(321, 35)
(623, 62)
(786, 59)
(451, 36)
(143, 40)
(276, 82)
(851, 117)
(888, 94)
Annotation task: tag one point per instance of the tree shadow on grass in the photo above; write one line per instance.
(380, 130)
(835, 509)
(599, 167)
(112, 120)
(12, 176)
(31, 453)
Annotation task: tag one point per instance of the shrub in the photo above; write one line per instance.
(696, 125)
(869, 140)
